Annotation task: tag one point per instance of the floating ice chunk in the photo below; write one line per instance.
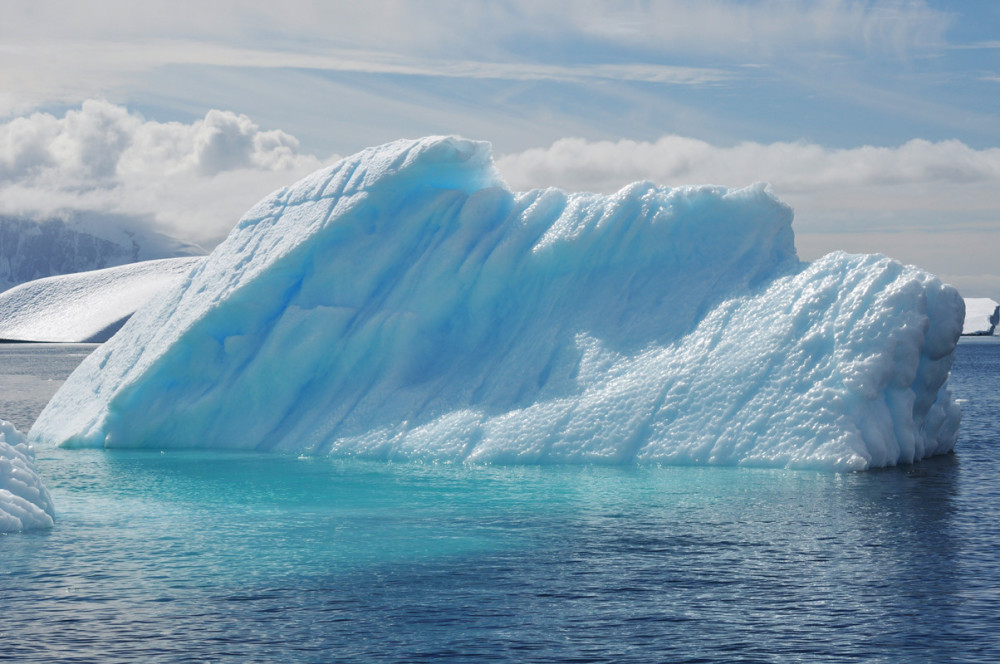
(25, 503)
(404, 304)
(982, 316)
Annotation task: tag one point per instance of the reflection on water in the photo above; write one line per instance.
(248, 557)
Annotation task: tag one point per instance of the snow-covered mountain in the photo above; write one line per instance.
(86, 306)
(31, 249)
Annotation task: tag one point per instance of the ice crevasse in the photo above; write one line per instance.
(405, 304)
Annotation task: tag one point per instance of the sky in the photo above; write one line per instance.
(877, 120)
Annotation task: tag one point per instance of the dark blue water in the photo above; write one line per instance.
(185, 557)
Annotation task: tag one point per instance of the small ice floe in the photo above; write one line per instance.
(25, 503)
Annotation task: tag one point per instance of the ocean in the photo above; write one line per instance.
(240, 557)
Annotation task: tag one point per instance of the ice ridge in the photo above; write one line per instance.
(404, 304)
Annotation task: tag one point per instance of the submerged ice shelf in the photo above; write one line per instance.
(404, 304)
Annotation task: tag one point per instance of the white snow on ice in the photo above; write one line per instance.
(86, 306)
(982, 316)
(404, 304)
(25, 503)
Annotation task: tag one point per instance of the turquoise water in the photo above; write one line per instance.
(202, 557)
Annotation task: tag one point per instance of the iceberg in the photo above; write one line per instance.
(25, 503)
(85, 307)
(405, 304)
(982, 315)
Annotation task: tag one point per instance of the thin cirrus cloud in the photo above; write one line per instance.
(435, 26)
(100, 56)
(772, 28)
(62, 52)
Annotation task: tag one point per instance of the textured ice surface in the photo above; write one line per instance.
(25, 503)
(982, 316)
(403, 304)
(86, 306)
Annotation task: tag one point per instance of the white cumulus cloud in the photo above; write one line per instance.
(192, 180)
(931, 203)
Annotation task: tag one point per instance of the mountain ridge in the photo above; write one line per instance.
(32, 249)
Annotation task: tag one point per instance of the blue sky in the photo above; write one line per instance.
(879, 121)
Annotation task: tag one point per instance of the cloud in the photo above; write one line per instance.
(934, 204)
(193, 180)
(764, 28)
(98, 56)
(976, 46)
(873, 178)
(62, 52)
(457, 26)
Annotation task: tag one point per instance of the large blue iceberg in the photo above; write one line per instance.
(404, 304)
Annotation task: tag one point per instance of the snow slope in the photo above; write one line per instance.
(403, 304)
(88, 306)
(982, 316)
(25, 503)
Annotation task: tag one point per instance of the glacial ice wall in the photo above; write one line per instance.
(404, 304)
(25, 503)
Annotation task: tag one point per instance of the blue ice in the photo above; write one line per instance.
(405, 304)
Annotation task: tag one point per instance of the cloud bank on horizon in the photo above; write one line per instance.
(193, 181)
(875, 119)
